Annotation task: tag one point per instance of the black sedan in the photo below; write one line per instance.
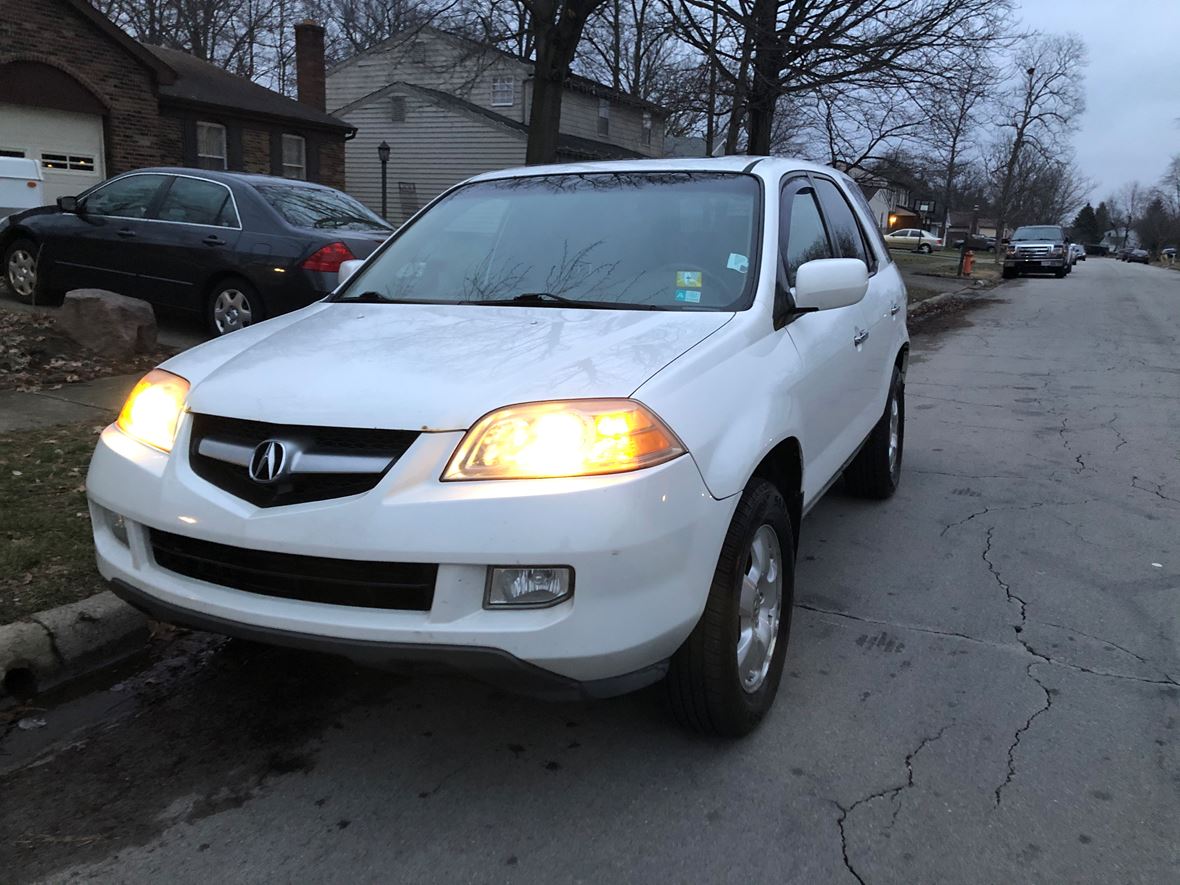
(1138, 256)
(234, 247)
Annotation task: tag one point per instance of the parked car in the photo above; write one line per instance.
(233, 247)
(1124, 252)
(560, 430)
(1168, 252)
(977, 243)
(1077, 252)
(1138, 256)
(913, 239)
(1037, 248)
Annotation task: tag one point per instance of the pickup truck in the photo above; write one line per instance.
(560, 431)
(1038, 248)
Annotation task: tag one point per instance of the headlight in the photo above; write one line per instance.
(1058, 250)
(564, 438)
(153, 409)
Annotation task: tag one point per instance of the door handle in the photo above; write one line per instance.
(126, 232)
(861, 337)
(894, 309)
(213, 240)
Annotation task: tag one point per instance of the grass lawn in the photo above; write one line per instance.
(946, 264)
(46, 551)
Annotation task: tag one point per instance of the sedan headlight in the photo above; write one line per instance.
(563, 438)
(153, 409)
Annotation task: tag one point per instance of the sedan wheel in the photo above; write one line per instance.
(759, 608)
(20, 269)
(233, 305)
(924, 248)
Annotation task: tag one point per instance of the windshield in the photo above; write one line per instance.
(319, 208)
(654, 241)
(1041, 232)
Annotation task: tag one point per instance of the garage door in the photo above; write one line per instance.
(68, 145)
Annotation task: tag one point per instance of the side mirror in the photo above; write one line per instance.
(828, 283)
(347, 269)
(67, 204)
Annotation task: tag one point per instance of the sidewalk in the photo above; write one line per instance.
(97, 400)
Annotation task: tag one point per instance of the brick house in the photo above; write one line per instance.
(87, 101)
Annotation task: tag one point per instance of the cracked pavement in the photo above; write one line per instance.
(983, 682)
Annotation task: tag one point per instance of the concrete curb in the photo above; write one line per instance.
(935, 300)
(54, 646)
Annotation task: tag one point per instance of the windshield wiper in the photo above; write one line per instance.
(372, 297)
(548, 299)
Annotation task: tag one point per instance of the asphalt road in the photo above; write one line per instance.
(983, 682)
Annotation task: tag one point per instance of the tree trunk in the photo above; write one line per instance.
(764, 90)
(545, 119)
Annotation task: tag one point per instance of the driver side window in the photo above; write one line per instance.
(802, 236)
(128, 197)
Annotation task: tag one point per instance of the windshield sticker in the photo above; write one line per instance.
(737, 262)
(692, 296)
(688, 279)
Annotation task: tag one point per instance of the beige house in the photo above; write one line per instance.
(449, 108)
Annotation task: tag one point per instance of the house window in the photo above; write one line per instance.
(61, 162)
(604, 116)
(210, 145)
(5, 152)
(397, 108)
(503, 92)
(646, 134)
(294, 156)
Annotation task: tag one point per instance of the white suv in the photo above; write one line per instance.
(561, 430)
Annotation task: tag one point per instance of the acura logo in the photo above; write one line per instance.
(269, 461)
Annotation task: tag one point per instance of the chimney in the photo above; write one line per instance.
(309, 64)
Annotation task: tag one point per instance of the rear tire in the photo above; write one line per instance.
(876, 470)
(724, 678)
(233, 304)
(20, 270)
(924, 248)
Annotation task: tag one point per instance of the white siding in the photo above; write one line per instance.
(457, 68)
(436, 147)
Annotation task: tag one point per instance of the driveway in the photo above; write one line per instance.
(982, 682)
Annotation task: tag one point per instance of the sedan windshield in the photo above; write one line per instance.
(1042, 232)
(638, 241)
(319, 208)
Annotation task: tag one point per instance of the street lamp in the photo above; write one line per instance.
(383, 156)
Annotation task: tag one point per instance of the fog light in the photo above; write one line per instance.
(528, 587)
(114, 522)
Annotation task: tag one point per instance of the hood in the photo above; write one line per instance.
(430, 367)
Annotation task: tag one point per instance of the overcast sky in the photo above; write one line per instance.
(1130, 128)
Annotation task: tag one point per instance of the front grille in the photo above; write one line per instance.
(404, 586)
(295, 488)
(1033, 251)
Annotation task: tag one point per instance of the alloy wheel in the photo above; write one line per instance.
(759, 608)
(22, 272)
(231, 311)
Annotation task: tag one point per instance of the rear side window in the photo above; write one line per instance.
(194, 201)
(804, 238)
(319, 208)
(128, 197)
(846, 234)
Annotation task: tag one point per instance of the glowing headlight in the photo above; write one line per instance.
(153, 409)
(565, 438)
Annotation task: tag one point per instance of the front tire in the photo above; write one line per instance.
(20, 269)
(232, 304)
(876, 470)
(724, 678)
(1009, 274)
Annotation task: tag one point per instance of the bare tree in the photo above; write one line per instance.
(791, 47)
(556, 27)
(953, 114)
(852, 128)
(1042, 104)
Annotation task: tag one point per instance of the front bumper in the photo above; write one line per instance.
(643, 547)
(1055, 262)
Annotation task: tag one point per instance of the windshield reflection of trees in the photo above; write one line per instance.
(593, 251)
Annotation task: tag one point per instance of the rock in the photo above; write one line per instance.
(108, 323)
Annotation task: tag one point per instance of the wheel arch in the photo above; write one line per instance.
(782, 466)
